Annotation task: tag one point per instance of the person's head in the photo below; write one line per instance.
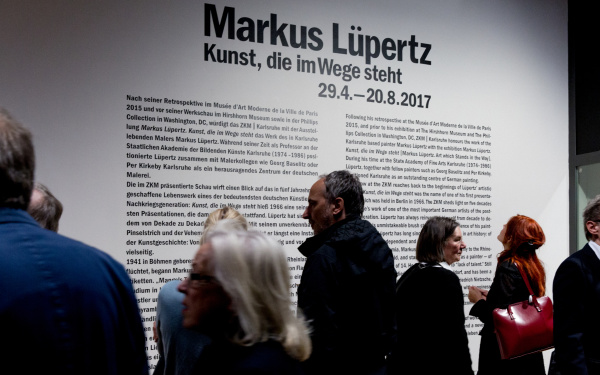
(332, 198)
(216, 306)
(224, 213)
(591, 219)
(440, 240)
(521, 236)
(17, 163)
(522, 233)
(239, 288)
(45, 208)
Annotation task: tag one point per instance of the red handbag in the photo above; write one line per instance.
(525, 327)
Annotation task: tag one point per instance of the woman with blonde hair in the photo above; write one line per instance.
(226, 212)
(520, 237)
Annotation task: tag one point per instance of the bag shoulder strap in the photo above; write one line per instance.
(524, 276)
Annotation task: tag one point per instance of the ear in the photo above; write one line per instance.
(338, 207)
(592, 227)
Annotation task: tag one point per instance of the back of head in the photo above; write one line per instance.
(524, 236)
(347, 186)
(235, 219)
(430, 245)
(45, 208)
(591, 213)
(253, 271)
(17, 163)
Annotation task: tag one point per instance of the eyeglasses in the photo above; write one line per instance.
(198, 280)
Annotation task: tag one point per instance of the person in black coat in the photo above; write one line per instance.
(577, 303)
(521, 237)
(430, 315)
(347, 287)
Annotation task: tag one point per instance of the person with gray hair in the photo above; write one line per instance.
(66, 307)
(347, 286)
(238, 293)
(180, 348)
(45, 208)
(576, 290)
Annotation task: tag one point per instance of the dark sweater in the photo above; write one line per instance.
(430, 321)
(263, 358)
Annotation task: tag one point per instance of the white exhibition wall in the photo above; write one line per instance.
(147, 116)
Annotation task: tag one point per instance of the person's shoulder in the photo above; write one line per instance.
(448, 277)
(361, 234)
(325, 253)
(51, 245)
(169, 292)
(351, 227)
(429, 272)
(508, 271)
(448, 273)
(90, 252)
(507, 267)
(269, 356)
(584, 258)
(269, 347)
(170, 286)
(419, 279)
(584, 254)
(67, 248)
(507, 264)
(361, 226)
(89, 264)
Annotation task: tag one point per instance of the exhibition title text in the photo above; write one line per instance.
(351, 41)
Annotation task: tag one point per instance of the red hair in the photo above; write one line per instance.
(524, 236)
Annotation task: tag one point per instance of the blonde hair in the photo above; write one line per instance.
(252, 269)
(238, 221)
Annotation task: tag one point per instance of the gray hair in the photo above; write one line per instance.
(591, 213)
(347, 186)
(17, 163)
(252, 269)
(47, 210)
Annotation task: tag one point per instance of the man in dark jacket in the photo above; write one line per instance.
(347, 286)
(66, 308)
(577, 302)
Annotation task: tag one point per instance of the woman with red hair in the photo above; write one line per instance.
(521, 237)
